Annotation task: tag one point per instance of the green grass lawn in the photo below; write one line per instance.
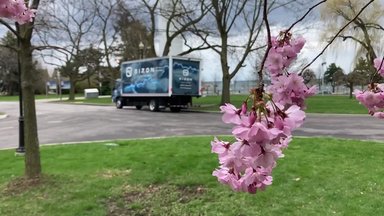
(316, 104)
(317, 176)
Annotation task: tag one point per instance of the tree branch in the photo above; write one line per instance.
(337, 34)
(374, 25)
(302, 18)
(9, 27)
(355, 39)
(269, 45)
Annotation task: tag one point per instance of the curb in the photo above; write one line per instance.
(177, 136)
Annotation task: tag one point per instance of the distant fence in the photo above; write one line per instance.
(243, 87)
(236, 87)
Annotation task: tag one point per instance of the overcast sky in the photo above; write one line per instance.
(310, 29)
(281, 19)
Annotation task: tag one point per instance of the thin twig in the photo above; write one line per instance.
(10, 28)
(302, 18)
(269, 46)
(376, 72)
(337, 34)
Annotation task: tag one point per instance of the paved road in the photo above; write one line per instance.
(60, 123)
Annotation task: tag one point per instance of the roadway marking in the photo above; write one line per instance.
(6, 128)
(54, 122)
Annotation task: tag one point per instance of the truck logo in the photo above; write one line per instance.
(185, 72)
(128, 72)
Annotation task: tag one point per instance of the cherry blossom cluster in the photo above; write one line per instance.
(373, 98)
(16, 10)
(261, 134)
(290, 89)
(283, 52)
(287, 88)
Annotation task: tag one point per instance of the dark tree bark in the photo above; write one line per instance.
(32, 152)
(72, 90)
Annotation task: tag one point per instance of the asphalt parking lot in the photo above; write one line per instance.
(61, 123)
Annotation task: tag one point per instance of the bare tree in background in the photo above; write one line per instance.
(365, 29)
(106, 12)
(309, 77)
(180, 18)
(359, 76)
(132, 33)
(228, 15)
(69, 25)
(9, 77)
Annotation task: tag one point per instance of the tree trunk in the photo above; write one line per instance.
(32, 152)
(350, 90)
(72, 89)
(225, 91)
(89, 81)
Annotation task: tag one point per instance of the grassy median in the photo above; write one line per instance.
(317, 176)
(339, 104)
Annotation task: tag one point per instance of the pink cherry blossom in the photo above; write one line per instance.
(231, 114)
(283, 52)
(219, 147)
(226, 176)
(255, 179)
(373, 100)
(379, 65)
(290, 90)
(295, 117)
(298, 43)
(274, 62)
(16, 10)
(379, 115)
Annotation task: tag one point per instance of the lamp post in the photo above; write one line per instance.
(59, 84)
(141, 49)
(322, 79)
(20, 150)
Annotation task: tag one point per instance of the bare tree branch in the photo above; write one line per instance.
(374, 25)
(303, 17)
(269, 45)
(337, 34)
(9, 27)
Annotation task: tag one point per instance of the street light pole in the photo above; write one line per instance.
(322, 79)
(141, 49)
(59, 84)
(21, 149)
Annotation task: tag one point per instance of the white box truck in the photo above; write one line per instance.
(158, 83)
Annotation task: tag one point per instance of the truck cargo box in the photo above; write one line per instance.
(172, 81)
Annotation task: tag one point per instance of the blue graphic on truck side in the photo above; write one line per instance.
(146, 76)
(185, 77)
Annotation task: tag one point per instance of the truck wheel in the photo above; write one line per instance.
(175, 109)
(119, 103)
(138, 107)
(154, 105)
